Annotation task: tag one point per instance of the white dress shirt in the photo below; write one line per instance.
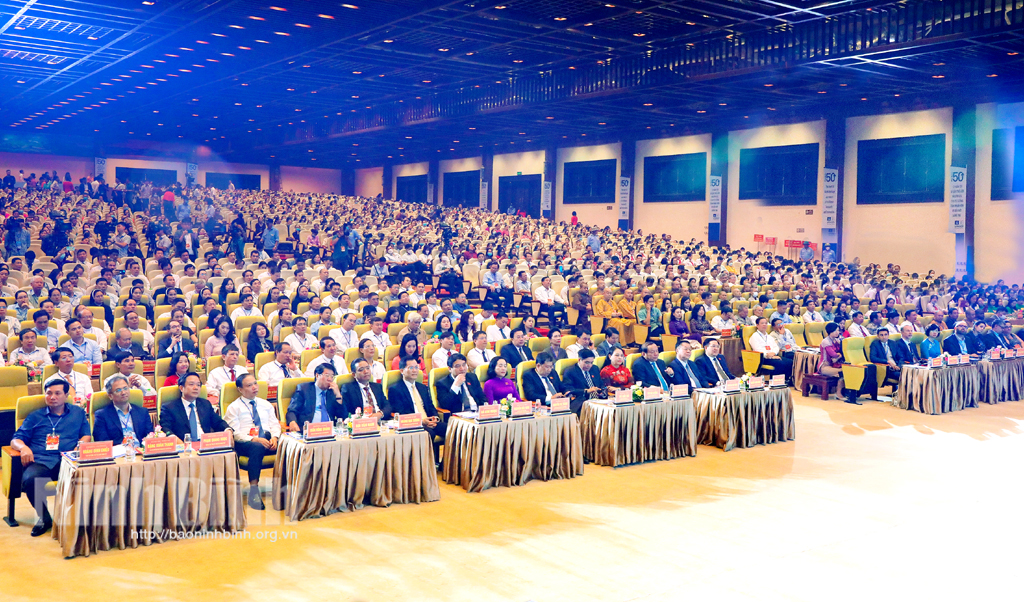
(547, 296)
(199, 424)
(346, 339)
(303, 343)
(81, 383)
(273, 373)
(380, 341)
(857, 330)
(495, 334)
(337, 362)
(719, 324)
(475, 357)
(221, 375)
(239, 418)
(440, 357)
(241, 311)
(762, 343)
(144, 385)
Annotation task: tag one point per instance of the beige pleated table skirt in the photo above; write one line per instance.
(341, 475)
(939, 390)
(804, 363)
(615, 436)
(744, 419)
(127, 504)
(1002, 380)
(511, 453)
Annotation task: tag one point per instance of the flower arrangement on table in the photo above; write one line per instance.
(198, 362)
(637, 392)
(35, 370)
(506, 406)
(745, 381)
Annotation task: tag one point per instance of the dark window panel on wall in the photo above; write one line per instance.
(1018, 160)
(780, 175)
(1002, 164)
(462, 189)
(411, 189)
(159, 177)
(674, 178)
(589, 182)
(902, 170)
(242, 181)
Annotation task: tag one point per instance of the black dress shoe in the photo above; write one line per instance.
(255, 501)
(854, 401)
(42, 526)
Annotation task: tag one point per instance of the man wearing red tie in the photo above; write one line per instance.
(440, 357)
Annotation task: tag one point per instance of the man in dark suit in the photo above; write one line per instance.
(905, 348)
(517, 351)
(460, 391)
(610, 342)
(363, 391)
(883, 352)
(1001, 335)
(542, 384)
(685, 371)
(980, 341)
(120, 419)
(651, 371)
(412, 396)
(123, 345)
(582, 381)
(957, 343)
(176, 342)
(712, 364)
(190, 415)
(317, 401)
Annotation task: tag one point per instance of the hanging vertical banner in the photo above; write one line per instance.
(483, 195)
(100, 169)
(831, 199)
(545, 197)
(624, 198)
(957, 200)
(430, 194)
(715, 198)
(191, 172)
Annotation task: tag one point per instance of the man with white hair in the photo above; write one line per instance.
(37, 293)
(414, 328)
(904, 346)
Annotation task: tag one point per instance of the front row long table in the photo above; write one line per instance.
(744, 419)
(127, 504)
(344, 474)
(618, 435)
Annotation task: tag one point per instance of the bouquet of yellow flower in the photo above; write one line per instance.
(35, 371)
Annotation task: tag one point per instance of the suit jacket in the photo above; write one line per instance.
(174, 420)
(877, 353)
(115, 354)
(303, 405)
(402, 403)
(559, 355)
(985, 342)
(643, 372)
(680, 377)
(952, 347)
(352, 398)
(453, 401)
(533, 387)
(710, 376)
(575, 384)
(908, 352)
(512, 356)
(108, 425)
(605, 349)
(186, 345)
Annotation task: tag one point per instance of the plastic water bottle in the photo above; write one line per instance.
(339, 426)
(188, 444)
(130, 449)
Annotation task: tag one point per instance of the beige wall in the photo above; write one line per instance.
(310, 179)
(236, 168)
(510, 164)
(599, 215)
(452, 165)
(408, 169)
(750, 217)
(370, 181)
(31, 163)
(682, 220)
(913, 235)
(998, 252)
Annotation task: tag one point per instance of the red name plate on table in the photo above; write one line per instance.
(965, 360)
(680, 391)
(560, 405)
(491, 411)
(522, 409)
(953, 360)
(97, 451)
(272, 393)
(732, 386)
(1010, 353)
(149, 402)
(159, 446)
(410, 422)
(215, 442)
(756, 382)
(996, 353)
(94, 370)
(365, 427)
(623, 396)
(779, 380)
(319, 430)
(149, 365)
(935, 362)
(728, 332)
(652, 393)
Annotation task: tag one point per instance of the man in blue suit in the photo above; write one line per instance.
(712, 364)
(120, 420)
(318, 401)
(517, 351)
(684, 370)
(650, 370)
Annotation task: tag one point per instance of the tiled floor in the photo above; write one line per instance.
(869, 503)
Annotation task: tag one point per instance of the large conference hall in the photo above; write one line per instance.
(511, 300)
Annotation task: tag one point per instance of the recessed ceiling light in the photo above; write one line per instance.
(1012, 53)
(302, 25)
(149, 3)
(938, 76)
(648, 104)
(938, 64)
(263, 41)
(768, 85)
(218, 35)
(284, 10)
(281, 33)
(559, 18)
(257, 18)
(517, 61)
(426, 81)
(236, 27)
(501, 7)
(702, 111)
(183, 48)
(244, 48)
(358, 72)
(992, 75)
(722, 104)
(639, 35)
(352, 6)
(444, 49)
(93, 38)
(227, 54)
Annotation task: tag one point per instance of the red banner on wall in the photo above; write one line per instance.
(770, 240)
(759, 238)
